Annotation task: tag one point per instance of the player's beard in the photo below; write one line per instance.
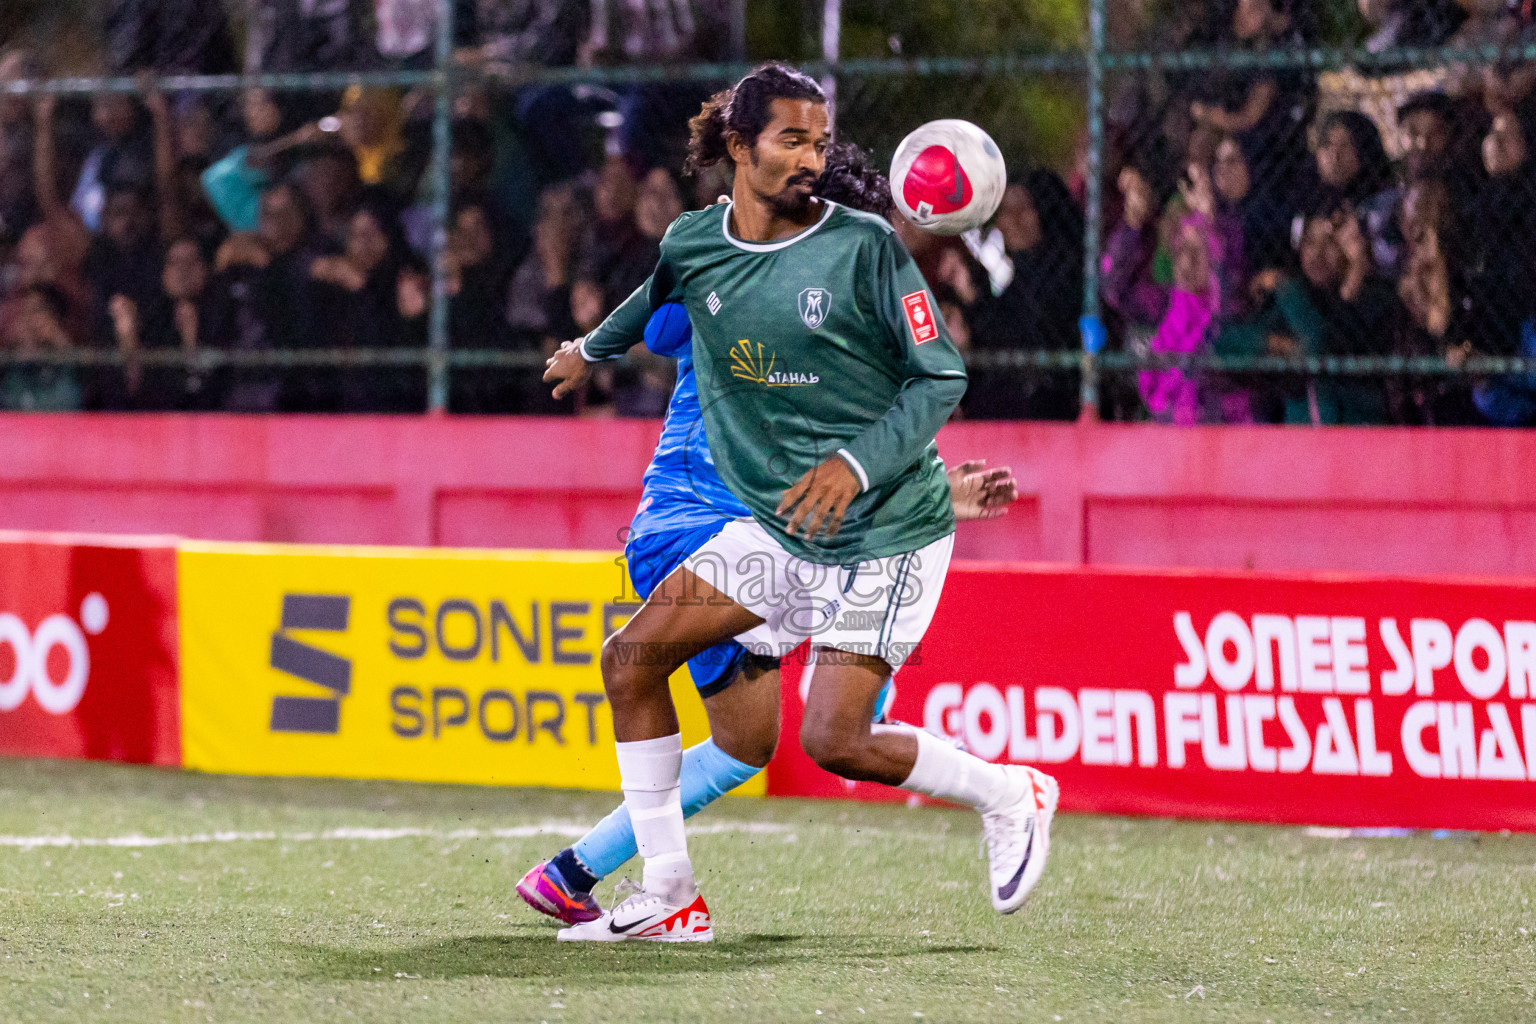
(792, 201)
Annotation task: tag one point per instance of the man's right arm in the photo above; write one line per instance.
(624, 328)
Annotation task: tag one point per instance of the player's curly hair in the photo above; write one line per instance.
(743, 111)
(850, 178)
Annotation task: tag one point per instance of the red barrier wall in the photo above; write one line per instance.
(89, 648)
(1333, 699)
(1374, 500)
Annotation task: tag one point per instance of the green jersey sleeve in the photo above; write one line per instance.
(935, 372)
(624, 328)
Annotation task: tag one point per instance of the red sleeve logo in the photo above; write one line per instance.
(920, 317)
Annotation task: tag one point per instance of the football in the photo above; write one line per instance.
(948, 177)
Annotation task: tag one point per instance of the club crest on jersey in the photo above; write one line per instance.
(815, 304)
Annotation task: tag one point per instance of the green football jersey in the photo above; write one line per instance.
(826, 343)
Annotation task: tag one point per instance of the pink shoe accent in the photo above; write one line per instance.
(544, 893)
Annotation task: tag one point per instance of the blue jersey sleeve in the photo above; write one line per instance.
(682, 489)
(668, 332)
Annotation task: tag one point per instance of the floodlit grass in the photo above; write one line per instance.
(824, 912)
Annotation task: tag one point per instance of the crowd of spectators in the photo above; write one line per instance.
(282, 222)
(1246, 214)
(1253, 214)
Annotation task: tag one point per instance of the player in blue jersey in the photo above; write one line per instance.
(684, 504)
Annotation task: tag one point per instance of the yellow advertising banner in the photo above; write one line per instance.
(395, 663)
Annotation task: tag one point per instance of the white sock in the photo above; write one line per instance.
(650, 772)
(947, 773)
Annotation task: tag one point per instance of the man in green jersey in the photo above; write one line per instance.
(824, 373)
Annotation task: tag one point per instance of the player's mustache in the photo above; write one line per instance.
(803, 177)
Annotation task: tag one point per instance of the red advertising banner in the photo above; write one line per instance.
(1321, 699)
(88, 648)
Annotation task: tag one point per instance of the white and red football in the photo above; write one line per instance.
(948, 177)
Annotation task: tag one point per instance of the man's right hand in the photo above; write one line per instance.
(567, 367)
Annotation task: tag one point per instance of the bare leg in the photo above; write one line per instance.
(1016, 803)
(683, 617)
(638, 660)
(838, 736)
(744, 717)
(837, 733)
(744, 720)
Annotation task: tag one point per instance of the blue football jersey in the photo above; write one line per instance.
(682, 490)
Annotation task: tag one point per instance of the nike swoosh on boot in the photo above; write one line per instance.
(635, 924)
(1007, 891)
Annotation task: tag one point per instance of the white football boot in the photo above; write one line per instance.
(648, 917)
(1018, 838)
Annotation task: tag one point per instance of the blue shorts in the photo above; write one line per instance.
(651, 558)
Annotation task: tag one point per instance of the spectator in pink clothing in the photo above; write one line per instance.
(1130, 288)
(1173, 394)
(1144, 238)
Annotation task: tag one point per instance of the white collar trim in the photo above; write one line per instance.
(725, 229)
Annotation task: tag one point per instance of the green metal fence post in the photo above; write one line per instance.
(831, 44)
(1091, 325)
(442, 130)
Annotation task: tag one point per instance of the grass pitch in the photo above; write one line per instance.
(182, 897)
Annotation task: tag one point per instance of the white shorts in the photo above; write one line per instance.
(880, 607)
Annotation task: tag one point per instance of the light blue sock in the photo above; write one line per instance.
(708, 773)
(885, 699)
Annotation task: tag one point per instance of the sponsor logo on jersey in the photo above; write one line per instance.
(713, 302)
(752, 362)
(920, 317)
(815, 304)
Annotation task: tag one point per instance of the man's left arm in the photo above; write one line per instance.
(935, 381)
(935, 372)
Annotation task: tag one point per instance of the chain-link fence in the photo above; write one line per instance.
(1303, 234)
(1234, 211)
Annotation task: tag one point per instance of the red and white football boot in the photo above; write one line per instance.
(647, 917)
(1018, 838)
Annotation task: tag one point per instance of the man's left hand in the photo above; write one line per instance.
(818, 499)
(977, 492)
